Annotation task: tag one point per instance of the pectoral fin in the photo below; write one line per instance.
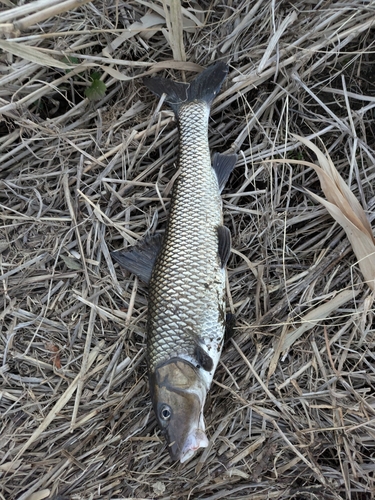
(141, 258)
(204, 360)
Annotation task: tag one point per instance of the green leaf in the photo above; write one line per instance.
(71, 263)
(71, 60)
(97, 89)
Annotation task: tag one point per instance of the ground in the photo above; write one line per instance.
(88, 159)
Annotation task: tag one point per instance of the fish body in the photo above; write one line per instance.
(186, 303)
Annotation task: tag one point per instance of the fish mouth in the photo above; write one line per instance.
(197, 439)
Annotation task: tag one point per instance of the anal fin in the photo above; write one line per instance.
(225, 242)
(140, 259)
(223, 166)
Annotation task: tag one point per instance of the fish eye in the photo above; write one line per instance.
(165, 413)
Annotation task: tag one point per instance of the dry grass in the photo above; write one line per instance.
(291, 414)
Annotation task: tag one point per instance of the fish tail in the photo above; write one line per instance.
(203, 88)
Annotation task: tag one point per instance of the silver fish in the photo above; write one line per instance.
(186, 271)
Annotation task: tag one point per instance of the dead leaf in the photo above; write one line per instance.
(150, 20)
(290, 335)
(336, 189)
(55, 354)
(10, 466)
(39, 495)
(362, 243)
(346, 210)
(33, 54)
(174, 34)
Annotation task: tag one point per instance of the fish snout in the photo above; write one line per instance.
(197, 439)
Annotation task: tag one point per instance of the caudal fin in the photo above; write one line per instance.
(203, 88)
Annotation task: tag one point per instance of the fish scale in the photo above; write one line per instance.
(186, 293)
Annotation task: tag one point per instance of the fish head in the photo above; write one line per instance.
(178, 396)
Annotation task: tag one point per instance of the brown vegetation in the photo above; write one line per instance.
(88, 158)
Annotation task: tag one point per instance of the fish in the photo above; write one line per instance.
(186, 270)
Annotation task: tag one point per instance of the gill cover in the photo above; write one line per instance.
(178, 398)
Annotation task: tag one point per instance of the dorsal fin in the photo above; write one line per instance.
(140, 259)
